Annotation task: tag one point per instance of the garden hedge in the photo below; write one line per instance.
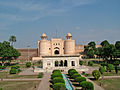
(76, 75)
(80, 79)
(86, 85)
(96, 74)
(59, 86)
(58, 80)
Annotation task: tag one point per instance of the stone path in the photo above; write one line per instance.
(30, 79)
(28, 71)
(44, 84)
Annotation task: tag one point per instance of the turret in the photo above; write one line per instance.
(43, 45)
(69, 45)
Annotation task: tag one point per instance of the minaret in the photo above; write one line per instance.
(43, 44)
(69, 45)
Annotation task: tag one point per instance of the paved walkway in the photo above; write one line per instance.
(28, 71)
(106, 77)
(29, 79)
(44, 84)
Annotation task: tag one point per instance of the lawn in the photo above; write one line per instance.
(110, 84)
(19, 85)
(8, 76)
(112, 73)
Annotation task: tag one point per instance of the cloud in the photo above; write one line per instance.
(13, 11)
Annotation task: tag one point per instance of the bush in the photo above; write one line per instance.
(28, 64)
(96, 74)
(70, 70)
(40, 75)
(73, 72)
(58, 80)
(59, 86)
(15, 67)
(102, 70)
(87, 85)
(56, 71)
(103, 64)
(3, 67)
(80, 79)
(1, 89)
(116, 63)
(13, 71)
(76, 75)
(110, 67)
(90, 63)
(81, 62)
(56, 75)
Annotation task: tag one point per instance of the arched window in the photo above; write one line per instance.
(65, 63)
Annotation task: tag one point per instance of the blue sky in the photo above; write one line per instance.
(86, 20)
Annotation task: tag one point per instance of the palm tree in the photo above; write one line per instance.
(12, 39)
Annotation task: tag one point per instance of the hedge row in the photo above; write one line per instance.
(57, 80)
(15, 70)
(82, 80)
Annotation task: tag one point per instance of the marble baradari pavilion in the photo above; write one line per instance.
(57, 53)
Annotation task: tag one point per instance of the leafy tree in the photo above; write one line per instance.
(117, 45)
(116, 64)
(102, 70)
(90, 63)
(59, 86)
(90, 53)
(105, 43)
(80, 79)
(86, 85)
(12, 39)
(92, 44)
(110, 67)
(96, 74)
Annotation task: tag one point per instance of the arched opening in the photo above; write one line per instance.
(61, 63)
(56, 52)
(65, 63)
(73, 63)
(56, 63)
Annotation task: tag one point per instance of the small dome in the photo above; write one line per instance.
(69, 35)
(44, 35)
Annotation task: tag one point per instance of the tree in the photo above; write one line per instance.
(86, 85)
(116, 64)
(90, 53)
(110, 67)
(96, 74)
(92, 44)
(102, 70)
(104, 43)
(117, 45)
(12, 39)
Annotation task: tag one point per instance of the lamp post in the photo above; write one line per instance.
(28, 52)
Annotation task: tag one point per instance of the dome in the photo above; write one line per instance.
(44, 35)
(69, 35)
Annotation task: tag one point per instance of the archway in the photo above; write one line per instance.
(65, 63)
(61, 63)
(73, 63)
(56, 63)
(56, 52)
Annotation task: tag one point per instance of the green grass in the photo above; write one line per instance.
(8, 76)
(111, 73)
(110, 84)
(19, 85)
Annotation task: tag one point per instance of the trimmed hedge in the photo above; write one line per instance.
(80, 79)
(58, 80)
(110, 67)
(56, 71)
(56, 75)
(70, 70)
(59, 86)
(86, 85)
(90, 63)
(13, 71)
(15, 67)
(28, 64)
(76, 75)
(40, 75)
(96, 74)
(3, 67)
(102, 70)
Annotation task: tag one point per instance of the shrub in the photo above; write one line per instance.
(28, 64)
(80, 79)
(110, 67)
(13, 71)
(59, 86)
(73, 72)
(76, 75)
(102, 70)
(58, 80)
(1, 89)
(70, 70)
(56, 71)
(96, 74)
(90, 63)
(40, 75)
(15, 67)
(87, 85)
(81, 62)
(103, 64)
(116, 63)
(56, 75)
(3, 67)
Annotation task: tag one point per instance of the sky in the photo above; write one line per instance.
(86, 20)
